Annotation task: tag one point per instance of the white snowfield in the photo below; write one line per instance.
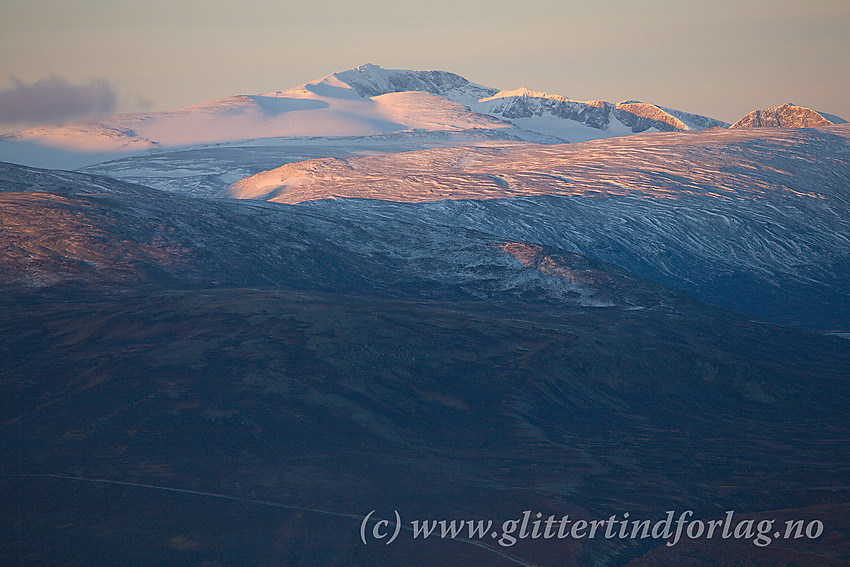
(721, 163)
(367, 101)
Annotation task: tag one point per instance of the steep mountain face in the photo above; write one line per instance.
(786, 116)
(371, 80)
(664, 119)
(746, 220)
(628, 117)
(595, 114)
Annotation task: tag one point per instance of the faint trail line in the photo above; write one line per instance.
(188, 491)
(261, 503)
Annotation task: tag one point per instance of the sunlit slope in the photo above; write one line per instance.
(787, 116)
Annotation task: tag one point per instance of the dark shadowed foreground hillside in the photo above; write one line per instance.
(346, 404)
(196, 382)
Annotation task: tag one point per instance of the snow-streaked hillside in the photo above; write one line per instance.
(17, 178)
(755, 220)
(787, 116)
(366, 101)
(720, 163)
(208, 170)
(578, 121)
(88, 232)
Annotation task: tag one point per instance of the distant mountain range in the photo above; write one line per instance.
(238, 327)
(367, 101)
(746, 218)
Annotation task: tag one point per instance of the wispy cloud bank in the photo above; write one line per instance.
(54, 99)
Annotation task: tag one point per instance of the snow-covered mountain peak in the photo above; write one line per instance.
(366, 101)
(787, 115)
(371, 80)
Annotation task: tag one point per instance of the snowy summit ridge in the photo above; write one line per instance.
(367, 101)
(372, 80)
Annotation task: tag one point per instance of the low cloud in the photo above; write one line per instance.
(55, 99)
(139, 102)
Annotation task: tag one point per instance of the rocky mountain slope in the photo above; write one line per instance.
(787, 116)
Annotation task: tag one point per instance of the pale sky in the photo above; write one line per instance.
(721, 58)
